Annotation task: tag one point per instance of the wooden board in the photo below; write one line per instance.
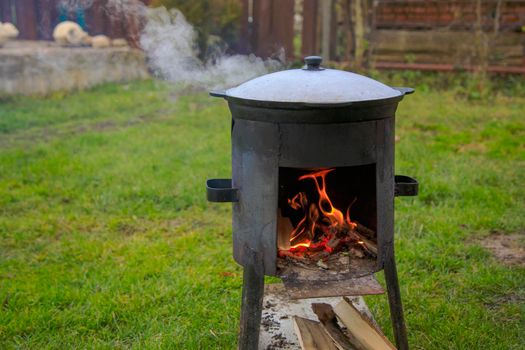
(277, 331)
(311, 335)
(360, 328)
(443, 46)
(326, 315)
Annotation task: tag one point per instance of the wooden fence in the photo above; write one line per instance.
(422, 34)
(35, 19)
(383, 33)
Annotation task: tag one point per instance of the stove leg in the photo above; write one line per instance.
(396, 308)
(251, 309)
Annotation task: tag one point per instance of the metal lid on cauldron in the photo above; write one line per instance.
(312, 86)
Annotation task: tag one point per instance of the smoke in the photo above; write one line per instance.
(169, 42)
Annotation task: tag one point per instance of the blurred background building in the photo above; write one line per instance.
(406, 34)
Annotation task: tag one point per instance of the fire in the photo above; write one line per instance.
(317, 230)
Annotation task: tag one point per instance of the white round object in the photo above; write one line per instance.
(8, 30)
(69, 33)
(100, 42)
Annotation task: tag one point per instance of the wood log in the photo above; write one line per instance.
(326, 315)
(361, 328)
(367, 245)
(284, 228)
(370, 247)
(286, 253)
(311, 335)
(365, 230)
(300, 233)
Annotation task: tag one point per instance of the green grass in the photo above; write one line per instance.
(106, 239)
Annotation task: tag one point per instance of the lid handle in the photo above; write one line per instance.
(313, 62)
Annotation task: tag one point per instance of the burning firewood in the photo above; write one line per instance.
(323, 229)
(287, 253)
(334, 243)
(366, 244)
(368, 233)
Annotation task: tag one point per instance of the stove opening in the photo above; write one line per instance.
(327, 218)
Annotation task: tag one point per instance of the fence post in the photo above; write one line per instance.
(96, 19)
(5, 11)
(47, 12)
(26, 20)
(309, 31)
(246, 32)
(273, 27)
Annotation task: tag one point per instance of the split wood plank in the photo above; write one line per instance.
(325, 313)
(360, 327)
(311, 335)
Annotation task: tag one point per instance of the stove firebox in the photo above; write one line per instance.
(327, 219)
(312, 184)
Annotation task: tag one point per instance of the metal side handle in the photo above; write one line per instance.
(220, 191)
(405, 186)
(218, 93)
(404, 90)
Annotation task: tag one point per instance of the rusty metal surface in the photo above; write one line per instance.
(366, 285)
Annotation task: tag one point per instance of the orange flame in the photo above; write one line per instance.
(317, 217)
(325, 204)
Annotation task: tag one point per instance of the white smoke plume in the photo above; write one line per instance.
(169, 41)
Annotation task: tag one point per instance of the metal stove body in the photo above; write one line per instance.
(319, 125)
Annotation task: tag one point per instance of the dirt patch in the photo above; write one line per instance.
(473, 147)
(508, 249)
(500, 301)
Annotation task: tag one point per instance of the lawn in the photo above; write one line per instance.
(107, 241)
